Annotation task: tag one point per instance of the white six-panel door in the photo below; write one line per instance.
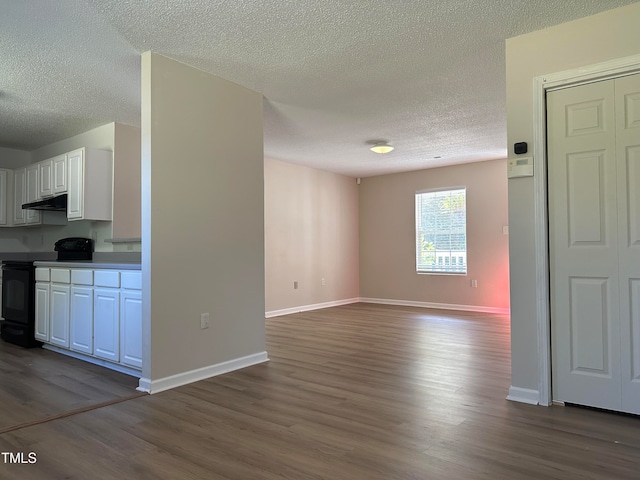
(627, 99)
(594, 242)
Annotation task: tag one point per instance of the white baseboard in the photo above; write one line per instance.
(443, 306)
(96, 361)
(144, 385)
(306, 308)
(523, 395)
(173, 381)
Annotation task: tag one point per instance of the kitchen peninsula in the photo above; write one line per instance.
(91, 310)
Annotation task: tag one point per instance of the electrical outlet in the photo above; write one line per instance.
(204, 321)
(295, 285)
(322, 281)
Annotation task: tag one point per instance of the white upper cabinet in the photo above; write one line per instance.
(53, 176)
(5, 182)
(85, 174)
(19, 195)
(33, 193)
(45, 170)
(59, 177)
(90, 186)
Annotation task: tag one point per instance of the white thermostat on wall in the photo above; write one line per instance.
(520, 167)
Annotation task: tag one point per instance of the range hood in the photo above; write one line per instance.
(52, 204)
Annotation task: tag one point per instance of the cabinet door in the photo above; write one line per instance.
(59, 312)
(33, 193)
(75, 163)
(131, 328)
(42, 312)
(19, 195)
(59, 174)
(46, 174)
(81, 320)
(106, 313)
(4, 176)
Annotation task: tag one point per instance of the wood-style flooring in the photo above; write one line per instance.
(358, 392)
(37, 384)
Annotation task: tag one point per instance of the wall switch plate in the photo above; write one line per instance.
(473, 283)
(322, 281)
(505, 229)
(295, 285)
(204, 321)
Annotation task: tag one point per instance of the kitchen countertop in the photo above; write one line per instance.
(89, 264)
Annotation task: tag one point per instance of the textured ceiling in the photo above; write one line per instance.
(425, 75)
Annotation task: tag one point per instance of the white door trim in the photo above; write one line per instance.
(541, 84)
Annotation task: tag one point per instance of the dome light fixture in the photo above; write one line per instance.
(381, 147)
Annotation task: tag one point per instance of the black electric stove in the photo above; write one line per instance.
(18, 291)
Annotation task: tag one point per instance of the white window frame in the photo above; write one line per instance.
(438, 267)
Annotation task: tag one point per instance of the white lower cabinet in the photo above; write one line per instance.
(131, 328)
(81, 320)
(59, 315)
(106, 316)
(42, 312)
(99, 314)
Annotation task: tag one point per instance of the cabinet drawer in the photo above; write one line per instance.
(106, 278)
(82, 276)
(131, 280)
(43, 275)
(61, 275)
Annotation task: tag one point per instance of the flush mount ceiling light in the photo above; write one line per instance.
(381, 147)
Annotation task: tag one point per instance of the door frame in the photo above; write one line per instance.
(541, 84)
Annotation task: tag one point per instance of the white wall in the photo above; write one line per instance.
(606, 36)
(311, 233)
(387, 238)
(100, 137)
(202, 222)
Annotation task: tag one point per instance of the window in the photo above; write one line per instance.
(441, 231)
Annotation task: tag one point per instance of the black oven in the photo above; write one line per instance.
(18, 303)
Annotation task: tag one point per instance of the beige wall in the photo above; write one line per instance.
(387, 237)
(126, 182)
(203, 219)
(609, 35)
(311, 233)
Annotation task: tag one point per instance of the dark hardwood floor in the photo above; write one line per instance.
(37, 384)
(353, 392)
